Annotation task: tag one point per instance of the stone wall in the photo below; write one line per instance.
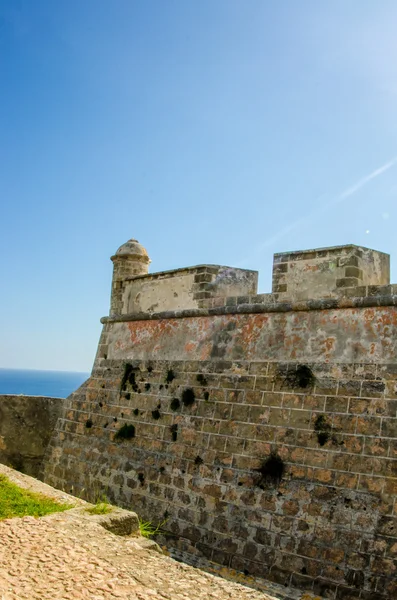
(325, 272)
(284, 470)
(262, 429)
(184, 288)
(26, 426)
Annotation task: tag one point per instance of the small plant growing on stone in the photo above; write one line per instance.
(148, 529)
(100, 508)
(126, 432)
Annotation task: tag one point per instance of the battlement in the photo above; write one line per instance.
(326, 273)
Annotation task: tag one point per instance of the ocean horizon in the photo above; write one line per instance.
(31, 382)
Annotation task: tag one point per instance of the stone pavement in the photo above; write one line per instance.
(70, 556)
(59, 557)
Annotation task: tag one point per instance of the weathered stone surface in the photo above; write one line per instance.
(326, 272)
(26, 426)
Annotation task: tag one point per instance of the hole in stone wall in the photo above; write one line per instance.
(271, 470)
(147, 386)
(156, 414)
(88, 423)
(135, 411)
(175, 404)
(201, 379)
(127, 371)
(126, 432)
(149, 369)
(141, 478)
(206, 396)
(174, 432)
(170, 376)
(302, 377)
(323, 429)
(188, 397)
(198, 460)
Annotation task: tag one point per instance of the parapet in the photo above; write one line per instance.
(321, 274)
(328, 272)
(185, 288)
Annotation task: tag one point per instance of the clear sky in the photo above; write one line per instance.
(216, 131)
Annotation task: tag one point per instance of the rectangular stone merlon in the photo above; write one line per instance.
(183, 289)
(327, 272)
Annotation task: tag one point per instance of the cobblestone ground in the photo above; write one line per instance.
(63, 556)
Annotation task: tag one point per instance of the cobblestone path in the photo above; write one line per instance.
(63, 556)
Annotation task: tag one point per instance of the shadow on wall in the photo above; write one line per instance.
(26, 426)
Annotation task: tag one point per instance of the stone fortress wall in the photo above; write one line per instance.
(262, 428)
(26, 426)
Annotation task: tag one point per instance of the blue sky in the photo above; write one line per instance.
(216, 131)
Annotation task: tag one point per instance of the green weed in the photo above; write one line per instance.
(17, 502)
(100, 508)
(148, 529)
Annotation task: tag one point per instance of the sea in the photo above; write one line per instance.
(56, 384)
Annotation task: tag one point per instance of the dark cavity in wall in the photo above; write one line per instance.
(156, 414)
(175, 404)
(323, 430)
(147, 386)
(88, 423)
(271, 471)
(170, 376)
(149, 369)
(141, 478)
(126, 432)
(128, 377)
(135, 411)
(302, 377)
(206, 395)
(198, 460)
(188, 397)
(201, 379)
(174, 432)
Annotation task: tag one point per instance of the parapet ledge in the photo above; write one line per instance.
(196, 269)
(268, 303)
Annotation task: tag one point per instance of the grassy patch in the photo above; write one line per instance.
(17, 502)
(148, 529)
(101, 508)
